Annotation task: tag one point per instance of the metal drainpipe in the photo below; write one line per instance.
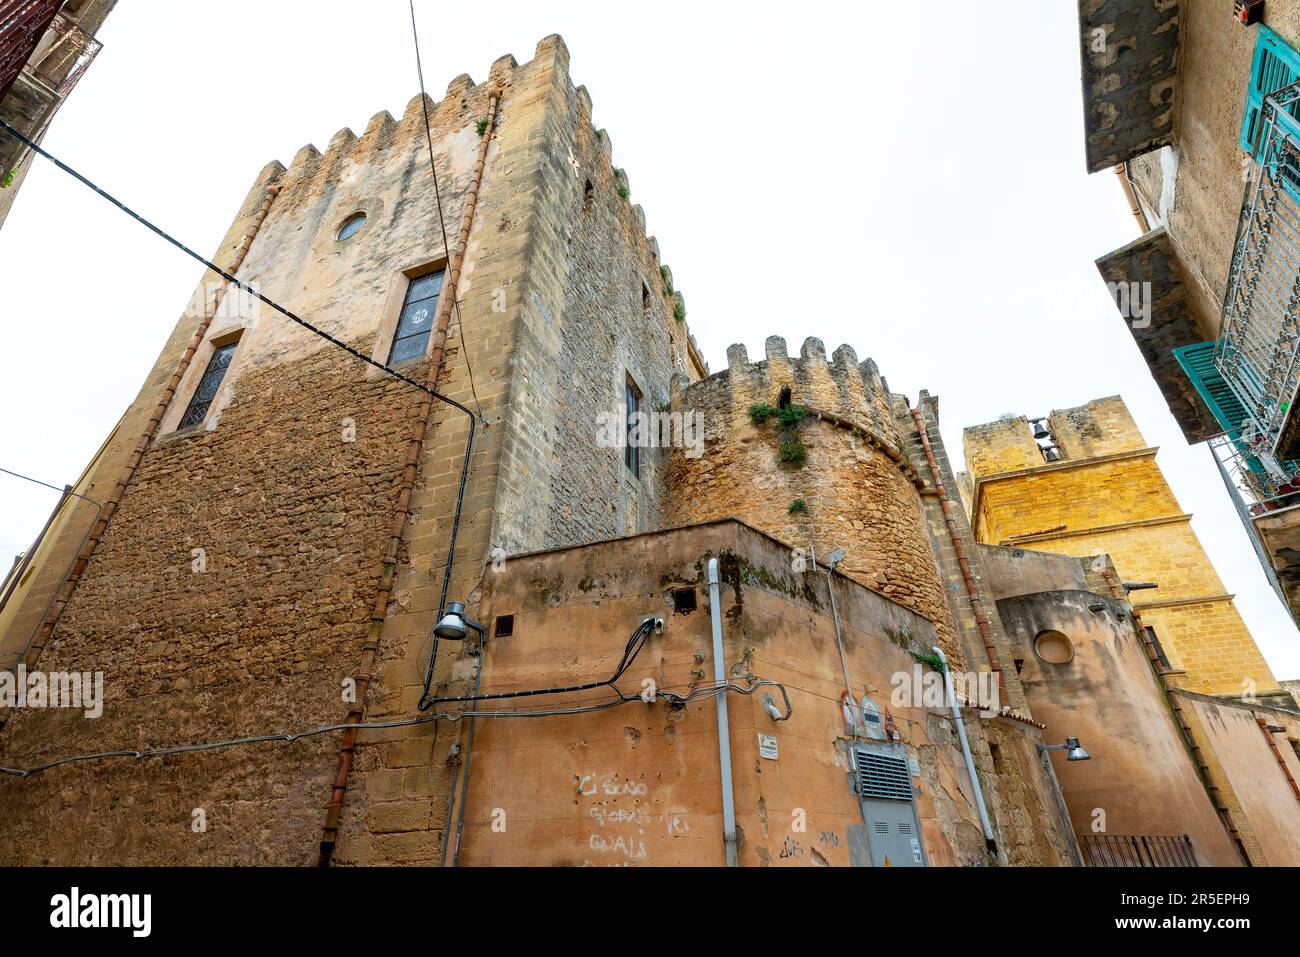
(839, 643)
(724, 734)
(1135, 207)
(415, 447)
(63, 594)
(972, 591)
(965, 751)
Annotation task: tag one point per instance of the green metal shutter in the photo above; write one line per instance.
(1198, 362)
(1274, 66)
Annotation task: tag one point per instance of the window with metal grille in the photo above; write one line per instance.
(632, 448)
(883, 776)
(201, 401)
(416, 323)
(1274, 66)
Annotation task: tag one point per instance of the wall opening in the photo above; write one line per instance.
(1054, 648)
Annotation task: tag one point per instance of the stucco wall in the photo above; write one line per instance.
(640, 784)
(1140, 778)
(1266, 799)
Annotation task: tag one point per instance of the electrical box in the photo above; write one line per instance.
(882, 779)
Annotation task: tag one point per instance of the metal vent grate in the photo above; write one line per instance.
(904, 828)
(882, 827)
(883, 776)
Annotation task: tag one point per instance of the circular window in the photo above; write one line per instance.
(1054, 648)
(351, 225)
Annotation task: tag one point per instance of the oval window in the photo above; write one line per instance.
(351, 225)
(1054, 648)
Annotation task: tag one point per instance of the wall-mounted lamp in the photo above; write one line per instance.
(1074, 750)
(454, 626)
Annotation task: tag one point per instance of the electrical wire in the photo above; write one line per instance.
(634, 645)
(671, 698)
(315, 330)
(99, 508)
(437, 196)
(474, 418)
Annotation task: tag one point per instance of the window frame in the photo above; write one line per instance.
(227, 344)
(412, 278)
(632, 399)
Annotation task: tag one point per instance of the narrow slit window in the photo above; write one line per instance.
(416, 323)
(632, 447)
(201, 401)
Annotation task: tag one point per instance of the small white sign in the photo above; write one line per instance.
(916, 850)
(914, 766)
(767, 746)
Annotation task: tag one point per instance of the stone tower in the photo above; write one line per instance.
(276, 514)
(1103, 493)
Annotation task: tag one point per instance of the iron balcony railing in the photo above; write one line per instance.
(63, 55)
(1261, 482)
(1135, 850)
(1259, 333)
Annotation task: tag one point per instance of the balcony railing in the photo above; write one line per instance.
(1259, 335)
(63, 55)
(1261, 482)
(1137, 850)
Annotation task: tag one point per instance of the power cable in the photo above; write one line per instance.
(437, 196)
(223, 274)
(672, 699)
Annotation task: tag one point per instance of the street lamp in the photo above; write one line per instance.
(1073, 750)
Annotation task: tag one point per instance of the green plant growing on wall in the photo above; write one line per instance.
(600, 135)
(798, 507)
(481, 126)
(792, 414)
(8, 178)
(668, 280)
(931, 659)
(793, 452)
(760, 412)
(679, 309)
(620, 177)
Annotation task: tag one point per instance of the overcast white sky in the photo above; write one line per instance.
(914, 187)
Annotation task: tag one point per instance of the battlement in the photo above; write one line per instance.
(840, 391)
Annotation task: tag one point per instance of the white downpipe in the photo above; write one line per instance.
(965, 750)
(724, 734)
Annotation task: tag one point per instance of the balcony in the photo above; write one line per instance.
(1258, 352)
(63, 55)
(60, 57)
(1266, 493)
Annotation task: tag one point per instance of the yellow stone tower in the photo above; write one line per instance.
(1084, 482)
